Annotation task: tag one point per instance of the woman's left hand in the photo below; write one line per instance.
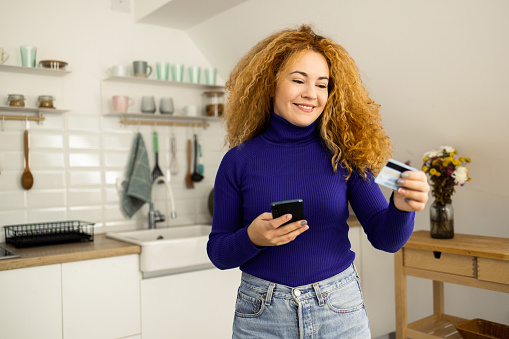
(413, 193)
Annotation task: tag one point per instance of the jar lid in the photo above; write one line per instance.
(213, 93)
(46, 97)
(16, 97)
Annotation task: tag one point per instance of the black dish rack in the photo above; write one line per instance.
(49, 233)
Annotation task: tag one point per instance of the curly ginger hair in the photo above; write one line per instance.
(350, 124)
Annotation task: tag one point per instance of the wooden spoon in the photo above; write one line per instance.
(27, 179)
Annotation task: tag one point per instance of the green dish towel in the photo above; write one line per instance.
(137, 188)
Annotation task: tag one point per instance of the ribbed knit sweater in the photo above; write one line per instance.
(290, 162)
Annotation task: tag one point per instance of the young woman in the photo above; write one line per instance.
(300, 125)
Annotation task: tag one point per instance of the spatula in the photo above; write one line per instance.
(196, 176)
(189, 180)
(156, 172)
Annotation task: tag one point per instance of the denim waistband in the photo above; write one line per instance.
(316, 290)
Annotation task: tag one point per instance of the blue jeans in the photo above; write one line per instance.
(332, 308)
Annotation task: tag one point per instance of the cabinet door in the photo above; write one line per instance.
(198, 304)
(31, 303)
(101, 298)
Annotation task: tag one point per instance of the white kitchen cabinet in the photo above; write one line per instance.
(31, 303)
(197, 304)
(101, 298)
(378, 287)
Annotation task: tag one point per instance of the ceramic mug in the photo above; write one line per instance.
(194, 74)
(3, 56)
(166, 106)
(163, 70)
(141, 69)
(177, 72)
(190, 110)
(119, 71)
(121, 103)
(148, 104)
(28, 54)
(210, 75)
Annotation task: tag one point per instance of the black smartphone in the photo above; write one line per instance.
(294, 207)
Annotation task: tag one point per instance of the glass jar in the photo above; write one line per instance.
(45, 101)
(214, 103)
(16, 100)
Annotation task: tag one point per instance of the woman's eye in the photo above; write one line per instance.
(322, 86)
(298, 81)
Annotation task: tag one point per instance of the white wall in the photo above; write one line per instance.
(77, 156)
(439, 69)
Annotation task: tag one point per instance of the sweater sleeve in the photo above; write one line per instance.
(229, 245)
(386, 227)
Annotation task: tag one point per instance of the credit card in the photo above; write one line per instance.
(391, 172)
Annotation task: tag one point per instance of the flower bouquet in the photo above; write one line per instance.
(445, 173)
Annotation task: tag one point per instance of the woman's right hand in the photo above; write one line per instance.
(266, 231)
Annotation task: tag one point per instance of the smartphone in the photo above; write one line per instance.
(294, 207)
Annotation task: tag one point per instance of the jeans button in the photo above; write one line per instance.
(296, 292)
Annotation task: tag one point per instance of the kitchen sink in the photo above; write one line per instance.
(169, 250)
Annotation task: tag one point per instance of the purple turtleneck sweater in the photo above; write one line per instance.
(290, 162)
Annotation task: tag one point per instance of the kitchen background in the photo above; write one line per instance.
(439, 69)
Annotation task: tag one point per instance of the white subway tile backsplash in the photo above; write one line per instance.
(91, 196)
(47, 215)
(84, 160)
(40, 141)
(86, 213)
(84, 178)
(12, 161)
(10, 180)
(118, 141)
(85, 141)
(46, 160)
(12, 200)
(116, 159)
(77, 161)
(48, 179)
(83, 123)
(46, 198)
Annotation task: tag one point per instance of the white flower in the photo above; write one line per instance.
(460, 175)
(447, 149)
(431, 154)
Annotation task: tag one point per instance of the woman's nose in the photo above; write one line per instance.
(309, 92)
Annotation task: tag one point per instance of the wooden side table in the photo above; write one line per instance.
(469, 260)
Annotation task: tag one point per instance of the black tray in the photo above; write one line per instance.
(49, 233)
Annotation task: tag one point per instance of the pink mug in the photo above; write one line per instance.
(121, 103)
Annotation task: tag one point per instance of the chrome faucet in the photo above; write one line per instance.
(154, 216)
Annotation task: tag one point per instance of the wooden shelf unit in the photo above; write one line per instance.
(469, 260)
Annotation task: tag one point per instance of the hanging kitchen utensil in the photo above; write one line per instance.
(174, 166)
(196, 177)
(27, 179)
(201, 170)
(156, 172)
(189, 180)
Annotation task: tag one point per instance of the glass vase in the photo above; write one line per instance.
(441, 221)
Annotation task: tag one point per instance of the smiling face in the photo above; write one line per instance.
(302, 93)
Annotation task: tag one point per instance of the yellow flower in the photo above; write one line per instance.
(467, 160)
(425, 159)
(432, 171)
(462, 159)
(424, 168)
(438, 174)
(456, 162)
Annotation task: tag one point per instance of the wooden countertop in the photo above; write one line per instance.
(464, 244)
(101, 247)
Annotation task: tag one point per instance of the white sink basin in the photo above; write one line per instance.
(169, 250)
